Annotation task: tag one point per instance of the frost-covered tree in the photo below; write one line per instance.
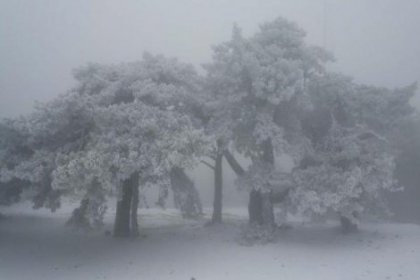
(251, 79)
(121, 126)
(142, 135)
(131, 144)
(34, 142)
(165, 84)
(13, 150)
(349, 161)
(209, 110)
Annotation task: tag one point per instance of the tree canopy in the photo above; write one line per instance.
(264, 96)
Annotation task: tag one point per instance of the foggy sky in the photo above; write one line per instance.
(41, 41)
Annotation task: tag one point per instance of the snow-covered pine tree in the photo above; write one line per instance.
(251, 79)
(122, 125)
(37, 142)
(142, 132)
(350, 161)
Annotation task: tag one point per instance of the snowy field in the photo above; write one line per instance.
(36, 245)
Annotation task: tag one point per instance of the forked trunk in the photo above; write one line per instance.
(126, 216)
(260, 205)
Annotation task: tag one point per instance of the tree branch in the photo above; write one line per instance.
(208, 164)
(234, 164)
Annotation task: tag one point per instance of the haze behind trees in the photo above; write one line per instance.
(41, 42)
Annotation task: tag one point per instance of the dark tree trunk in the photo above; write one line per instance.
(255, 204)
(126, 215)
(234, 164)
(268, 152)
(255, 208)
(186, 196)
(122, 217)
(78, 217)
(260, 208)
(260, 205)
(218, 190)
(47, 196)
(135, 205)
(267, 209)
(45, 190)
(347, 225)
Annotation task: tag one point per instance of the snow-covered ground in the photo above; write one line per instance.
(36, 245)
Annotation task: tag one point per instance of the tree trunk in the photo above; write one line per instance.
(135, 205)
(268, 152)
(78, 217)
(265, 205)
(347, 225)
(126, 215)
(255, 208)
(255, 204)
(45, 190)
(218, 190)
(267, 209)
(186, 197)
(122, 217)
(260, 205)
(234, 164)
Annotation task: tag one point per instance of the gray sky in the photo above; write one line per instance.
(41, 41)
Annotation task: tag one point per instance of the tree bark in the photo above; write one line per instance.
(122, 216)
(126, 216)
(78, 217)
(255, 204)
(234, 164)
(260, 205)
(267, 209)
(134, 205)
(268, 151)
(186, 197)
(347, 225)
(218, 190)
(255, 208)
